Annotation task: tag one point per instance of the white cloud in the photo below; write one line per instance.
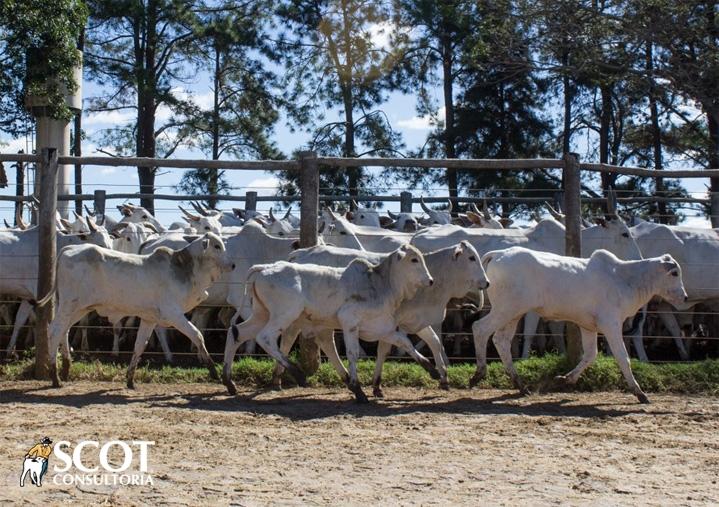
(15, 145)
(380, 34)
(266, 185)
(422, 122)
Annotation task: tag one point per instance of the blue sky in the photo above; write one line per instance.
(399, 108)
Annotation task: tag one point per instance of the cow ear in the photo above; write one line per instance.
(349, 216)
(458, 250)
(475, 218)
(385, 221)
(190, 238)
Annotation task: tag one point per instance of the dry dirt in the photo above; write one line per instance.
(417, 446)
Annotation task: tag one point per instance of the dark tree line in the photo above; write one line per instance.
(622, 81)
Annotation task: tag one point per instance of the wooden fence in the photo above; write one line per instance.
(309, 165)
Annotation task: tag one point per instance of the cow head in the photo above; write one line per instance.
(138, 214)
(470, 266)
(670, 284)
(363, 216)
(404, 222)
(436, 217)
(611, 233)
(203, 224)
(338, 231)
(410, 271)
(210, 248)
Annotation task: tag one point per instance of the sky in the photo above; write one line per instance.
(400, 109)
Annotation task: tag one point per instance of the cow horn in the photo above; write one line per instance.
(332, 214)
(199, 208)
(7, 225)
(287, 215)
(556, 214)
(189, 215)
(272, 216)
(87, 210)
(354, 205)
(148, 225)
(18, 218)
(392, 215)
(424, 206)
(473, 207)
(119, 227)
(485, 210)
(67, 225)
(90, 225)
(449, 205)
(77, 216)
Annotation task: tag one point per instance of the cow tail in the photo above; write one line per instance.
(486, 259)
(43, 301)
(249, 282)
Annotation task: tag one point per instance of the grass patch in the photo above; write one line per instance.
(537, 372)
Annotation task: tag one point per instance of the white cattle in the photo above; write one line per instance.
(456, 271)
(597, 294)
(203, 224)
(18, 260)
(360, 299)
(129, 236)
(138, 214)
(158, 288)
(403, 222)
(225, 218)
(436, 217)
(697, 251)
(341, 232)
(366, 216)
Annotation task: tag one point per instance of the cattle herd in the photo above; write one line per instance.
(382, 279)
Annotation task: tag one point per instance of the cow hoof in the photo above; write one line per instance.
(213, 372)
(56, 383)
(130, 384)
(561, 378)
(643, 398)
(476, 379)
(231, 389)
(277, 387)
(298, 375)
(65, 373)
(524, 391)
(377, 392)
(444, 385)
(434, 374)
(361, 397)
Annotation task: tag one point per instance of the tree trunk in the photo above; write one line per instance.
(212, 182)
(605, 123)
(450, 150)
(147, 107)
(656, 133)
(353, 173)
(566, 84)
(713, 125)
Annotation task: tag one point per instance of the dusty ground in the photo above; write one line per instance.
(415, 447)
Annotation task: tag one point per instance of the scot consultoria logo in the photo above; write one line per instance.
(78, 463)
(35, 462)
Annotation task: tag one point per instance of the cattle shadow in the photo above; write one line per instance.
(296, 405)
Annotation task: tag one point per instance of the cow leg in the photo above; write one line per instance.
(481, 331)
(267, 339)
(58, 332)
(613, 334)
(326, 341)
(23, 313)
(288, 339)
(116, 332)
(66, 358)
(237, 334)
(401, 341)
(350, 334)
(383, 350)
(531, 322)
(503, 343)
(670, 322)
(441, 362)
(143, 336)
(589, 354)
(161, 333)
(637, 336)
(187, 328)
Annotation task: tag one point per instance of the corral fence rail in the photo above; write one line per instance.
(308, 164)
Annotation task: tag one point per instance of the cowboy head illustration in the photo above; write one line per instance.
(35, 463)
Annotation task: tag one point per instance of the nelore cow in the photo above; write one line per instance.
(456, 271)
(159, 288)
(361, 299)
(18, 255)
(597, 294)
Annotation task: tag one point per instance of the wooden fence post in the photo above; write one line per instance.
(405, 202)
(251, 201)
(47, 251)
(309, 210)
(19, 186)
(573, 238)
(99, 197)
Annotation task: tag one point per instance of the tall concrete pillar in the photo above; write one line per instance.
(52, 133)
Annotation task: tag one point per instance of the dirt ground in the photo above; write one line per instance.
(417, 446)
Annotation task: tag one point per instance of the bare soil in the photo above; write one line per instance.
(315, 446)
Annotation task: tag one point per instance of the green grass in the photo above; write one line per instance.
(538, 372)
